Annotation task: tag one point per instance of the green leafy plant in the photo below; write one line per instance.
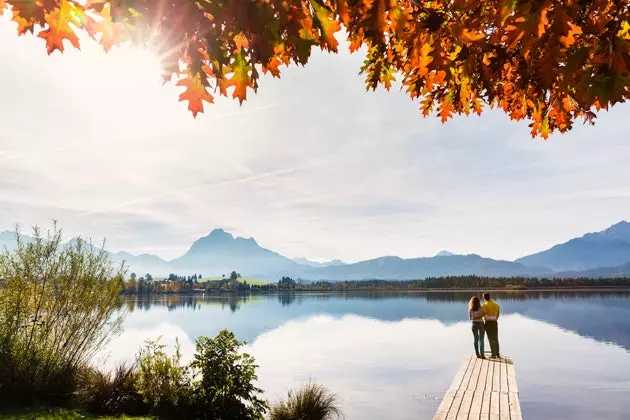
(162, 381)
(311, 402)
(225, 388)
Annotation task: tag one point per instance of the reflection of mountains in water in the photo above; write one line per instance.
(603, 316)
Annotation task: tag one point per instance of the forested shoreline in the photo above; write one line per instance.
(450, 283)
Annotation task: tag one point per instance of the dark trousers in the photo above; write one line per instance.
(492, 329)
(478, 331)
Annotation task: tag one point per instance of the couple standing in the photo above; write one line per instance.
(484, 320)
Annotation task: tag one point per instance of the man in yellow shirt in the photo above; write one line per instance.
(491, 312)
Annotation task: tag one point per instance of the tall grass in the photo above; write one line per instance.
(58, 307)
(311, 402)
(110, 393)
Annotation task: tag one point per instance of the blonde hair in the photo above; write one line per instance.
(474, 304)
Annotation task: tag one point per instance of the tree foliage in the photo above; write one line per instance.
(58, 307)
(226, 389)
(550, 61)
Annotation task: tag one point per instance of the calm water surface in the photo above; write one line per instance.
(393, 355)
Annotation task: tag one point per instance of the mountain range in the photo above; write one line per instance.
(596, 254)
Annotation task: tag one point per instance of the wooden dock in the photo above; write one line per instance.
(482, 389)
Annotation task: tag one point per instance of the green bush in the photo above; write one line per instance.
(162, 381)
(225, 388)
(311, 402)
(58, 307)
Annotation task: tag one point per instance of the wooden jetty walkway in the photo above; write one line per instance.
(483, 389)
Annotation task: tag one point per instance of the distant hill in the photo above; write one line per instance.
(608, 248)
(142, 264)
(308, 263)
(396, 268)
(7, 240)
(444, 253)
(618, 271)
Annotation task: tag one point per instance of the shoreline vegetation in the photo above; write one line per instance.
(59, 306)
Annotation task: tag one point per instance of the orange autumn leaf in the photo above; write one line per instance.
(240, 79)
(59, 29)
(27, 14)
(241, 41)
(446, 108)
(342, 11)
(569, 39)
(543, 22)
(112, 33)
(195, 93)
(424, 59)
(472, 36)
(272, 67)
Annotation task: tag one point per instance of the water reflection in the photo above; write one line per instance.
(400, 369)
(604, 316)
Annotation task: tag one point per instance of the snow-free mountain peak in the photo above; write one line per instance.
(444, 253)
(607, 248)
(309, 263)
(620, 231)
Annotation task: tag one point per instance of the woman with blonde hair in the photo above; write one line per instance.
(478, 329)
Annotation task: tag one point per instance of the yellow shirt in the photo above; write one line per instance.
(491, 310)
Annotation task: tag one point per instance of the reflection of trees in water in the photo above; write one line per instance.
(529, 295)
(287, 299)
(189, 302)
(235, 301)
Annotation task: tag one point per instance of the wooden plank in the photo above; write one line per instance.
(487, 393)
(475, 374)
(496, 386)
(515, 405)
(464, 408)
(447, 401)
(504, 404)
(475, 407)
(511, 376)
(471, 390)
(459, 395)
(503, 379)
(513, 397)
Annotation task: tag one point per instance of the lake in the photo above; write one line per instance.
(393, 355)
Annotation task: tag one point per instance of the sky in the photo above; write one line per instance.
(311, 166)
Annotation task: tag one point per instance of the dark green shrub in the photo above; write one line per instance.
(311, 402)
(225, 388)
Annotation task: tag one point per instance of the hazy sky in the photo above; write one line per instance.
(311, 166)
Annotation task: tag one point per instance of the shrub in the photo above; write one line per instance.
(162, 381)
(111, 394)
(58, 306)
(225, 388)
(311, 402)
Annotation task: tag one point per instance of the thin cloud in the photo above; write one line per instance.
(200, 187)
